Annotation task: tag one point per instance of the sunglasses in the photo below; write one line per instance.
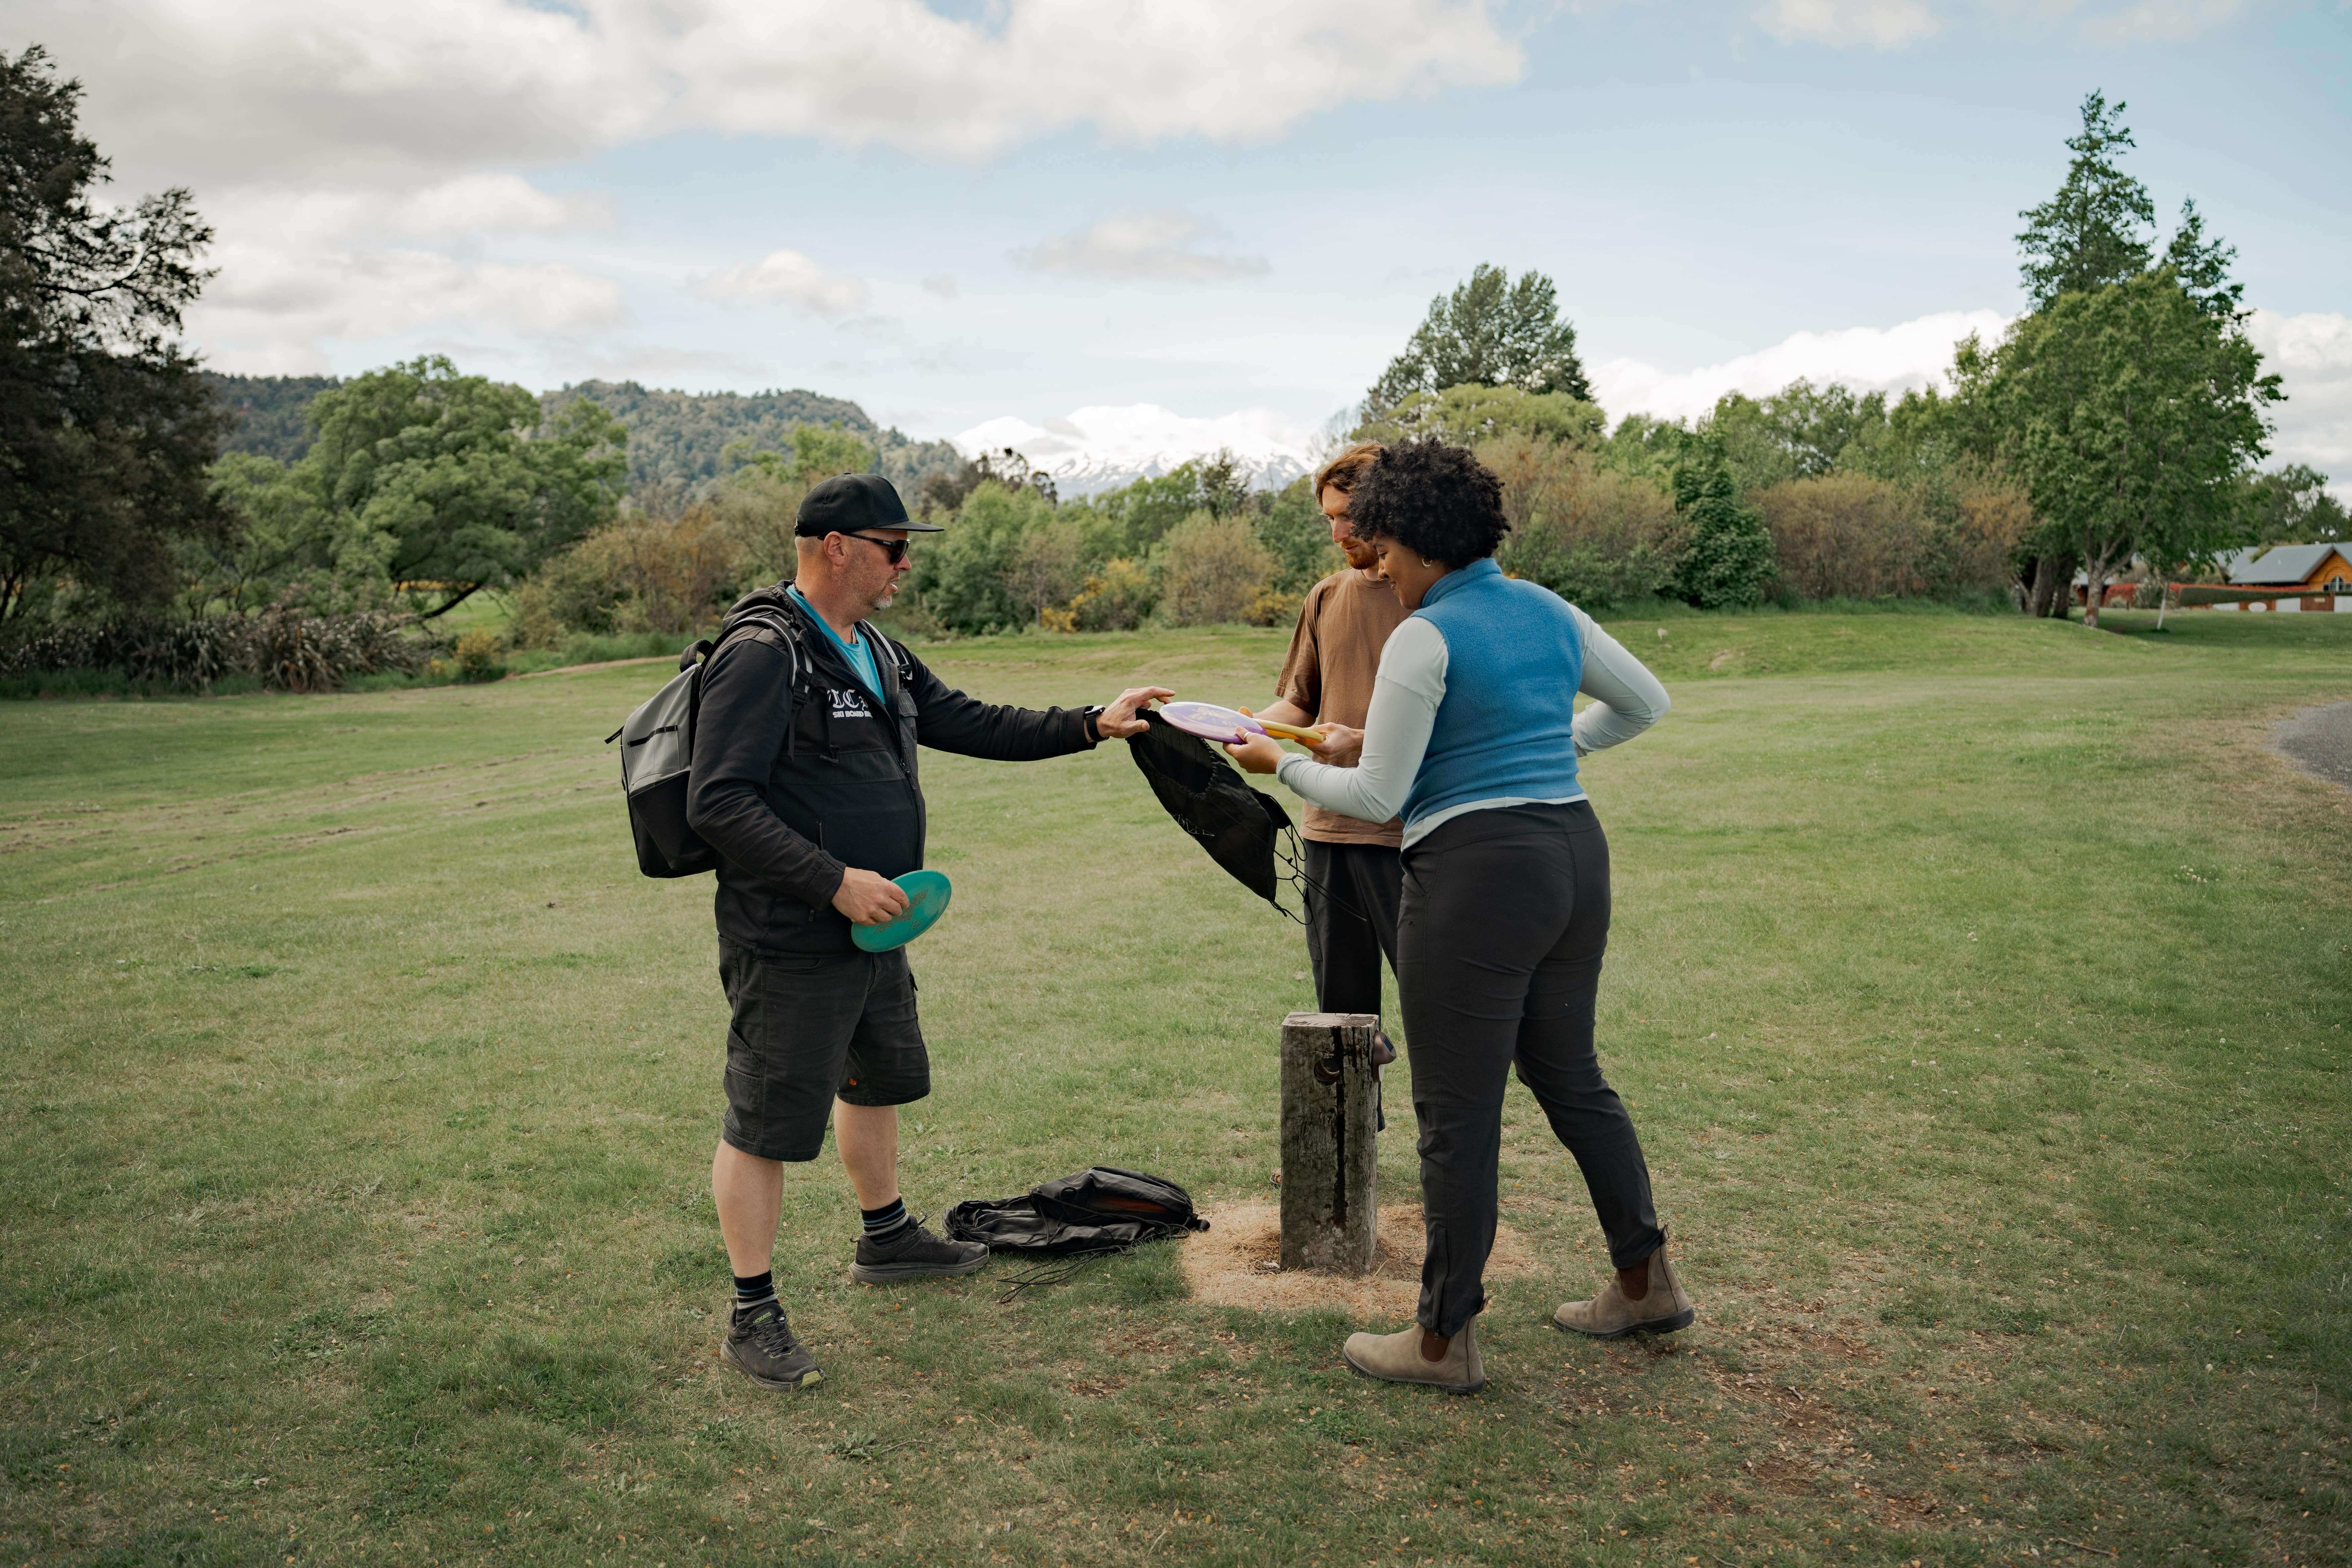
(896, 549)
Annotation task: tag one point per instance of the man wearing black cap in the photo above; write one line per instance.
(805, 780)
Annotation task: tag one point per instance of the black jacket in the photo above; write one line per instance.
(793, 780)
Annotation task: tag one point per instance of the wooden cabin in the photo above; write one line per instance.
(2287, 577)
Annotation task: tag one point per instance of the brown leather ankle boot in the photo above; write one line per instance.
(1396, 1358)
(1611, 1315)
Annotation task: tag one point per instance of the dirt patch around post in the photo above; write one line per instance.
(1239, 1263)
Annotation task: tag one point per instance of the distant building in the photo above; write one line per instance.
(2275, 576)
(2314, 568)
(2287, 577)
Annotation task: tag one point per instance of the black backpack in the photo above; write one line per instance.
(1101, 1209)
(657, 749)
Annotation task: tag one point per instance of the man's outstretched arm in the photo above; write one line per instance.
(947, 720)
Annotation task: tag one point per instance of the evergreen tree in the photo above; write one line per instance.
(2128, 401)
(2202, 266)
(2095, 231)
(1490, 332)
(2132, 414)
(1730, 563)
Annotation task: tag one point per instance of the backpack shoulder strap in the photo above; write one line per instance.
(898, 668)
(772, 626)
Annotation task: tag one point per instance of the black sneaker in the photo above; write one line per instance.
(914, 1254)
(760, 1343)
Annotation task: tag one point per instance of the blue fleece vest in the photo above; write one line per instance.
(1513, 659)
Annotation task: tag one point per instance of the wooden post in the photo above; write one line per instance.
(1330, 1152)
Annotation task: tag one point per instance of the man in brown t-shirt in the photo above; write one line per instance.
(1354, 875)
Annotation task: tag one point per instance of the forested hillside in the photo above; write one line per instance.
(681, 438)
(676, 438)
(269, 411)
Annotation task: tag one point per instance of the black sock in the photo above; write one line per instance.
(755, 1289)
(885, 1223)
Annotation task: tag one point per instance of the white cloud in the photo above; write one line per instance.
(1882, 23)
(898, 72)
(1867, 359)
(489, 203)
(361, 138)
(2311, 353)
(2161, 21)
(272, 311)
(303, 268)
(1164, 245)
(2313, 357)
(1894, 23)
(298, 214)
(215, 91)
(787, 275)
(237, 88)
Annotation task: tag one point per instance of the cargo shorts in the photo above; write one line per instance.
(807, 1028)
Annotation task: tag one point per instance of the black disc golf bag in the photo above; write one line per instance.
(1239, 826)
(1100, 1209)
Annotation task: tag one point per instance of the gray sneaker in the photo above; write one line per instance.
(915, 1254)
(760, 1344)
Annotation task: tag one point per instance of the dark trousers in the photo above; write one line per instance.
(1504, 917)
(1352, 892)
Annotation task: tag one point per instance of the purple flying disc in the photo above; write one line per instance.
(1225, 726)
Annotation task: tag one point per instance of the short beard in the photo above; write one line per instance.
(1361, 556)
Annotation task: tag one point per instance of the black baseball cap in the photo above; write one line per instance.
(848, 502)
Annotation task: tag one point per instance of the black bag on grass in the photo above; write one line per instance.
(1101, 1209)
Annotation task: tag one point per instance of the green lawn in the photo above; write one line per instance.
(1981, 988)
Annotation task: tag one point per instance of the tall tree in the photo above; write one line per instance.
(1473, 413)
(2202, 266)
(2293, 506)
(454, 481)
(2131, 414)
(2128, 402)
(1490, 332)
(106, 426)
(2096, 229)
(1799, 432)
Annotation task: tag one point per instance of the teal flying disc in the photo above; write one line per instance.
(927, 900)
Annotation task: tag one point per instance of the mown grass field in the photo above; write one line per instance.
(1981, 989)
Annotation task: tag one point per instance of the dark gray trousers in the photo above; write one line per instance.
(1352, 892)
(1505, 917)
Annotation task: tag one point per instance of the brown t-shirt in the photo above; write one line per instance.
(1334, 656)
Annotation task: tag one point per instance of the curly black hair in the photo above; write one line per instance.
(1433, 497)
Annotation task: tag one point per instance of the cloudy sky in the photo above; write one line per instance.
(980, 209)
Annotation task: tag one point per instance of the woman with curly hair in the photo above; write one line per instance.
(1472, 738)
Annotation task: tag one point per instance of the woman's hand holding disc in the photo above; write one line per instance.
(1340, 746)
(1257, 754)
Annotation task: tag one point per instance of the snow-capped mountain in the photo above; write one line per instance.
(1101, 448)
